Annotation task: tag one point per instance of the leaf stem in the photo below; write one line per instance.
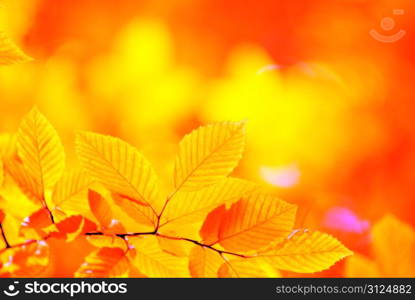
(4, 236)
(45, 206)
(202, 245)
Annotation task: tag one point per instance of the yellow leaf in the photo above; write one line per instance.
(23, 180)
(70, 192)
(7, 146)
(190, 231)
(255, 221)
(107, 241)
(154, 262)
(307, 252)
(175, 247)
(10, 53)
(139, 213)
(204, 262)
(360, 266)
(247, 268)
(104, 263)
(11, 194)
(119, 167)
(394, 247)
(11, 227)
(40, 150)
(208, 154)
(188, 207)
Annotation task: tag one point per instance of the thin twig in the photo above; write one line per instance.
(4, 236)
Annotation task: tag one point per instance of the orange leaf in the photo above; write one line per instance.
(253, 222)
(100, 209)
(34, 226)
(74, 226)
(2, 215)
(104, 263)
(30, 258)
(210, 229)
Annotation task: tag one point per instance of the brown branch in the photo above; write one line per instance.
(202, 245)
(4, 236)
(124, 235)
(45, 206)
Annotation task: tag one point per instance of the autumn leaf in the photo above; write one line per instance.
(154, 262)
(107, 241)
(210, 225)
(119, 167)
(193, 206)
(100, 209)
(34, 226)
(24, 181)
(10, 53)
(142, 214)
(40, 150)
(102, 212)
(70, 192)
(208, 154)
(10, 194)
(74, 226)
(29, 258)
(175, 247)
(307, 252)
(253, 222)
(247, 268)
(105, 263)
(204, 262)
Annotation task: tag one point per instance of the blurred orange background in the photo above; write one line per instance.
(330, 109)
